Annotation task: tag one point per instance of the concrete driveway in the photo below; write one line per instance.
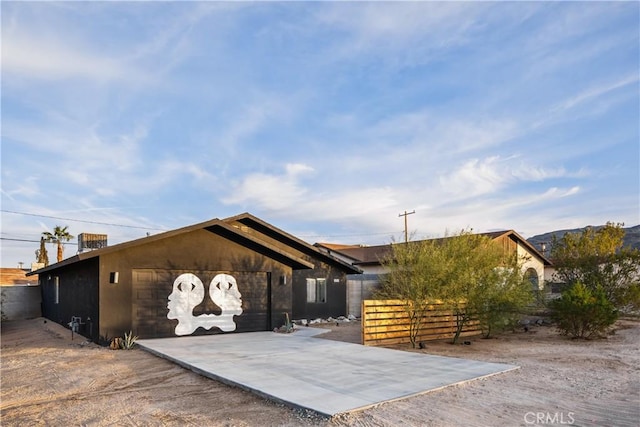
(329, 377)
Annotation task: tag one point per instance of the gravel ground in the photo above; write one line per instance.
(48, 379)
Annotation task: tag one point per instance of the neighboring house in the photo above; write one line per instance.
(368, 259)
(19, 294)
(17, 277)
(237, 274)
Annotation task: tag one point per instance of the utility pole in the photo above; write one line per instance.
(406, 232)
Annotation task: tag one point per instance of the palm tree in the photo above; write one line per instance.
(59, 235)
(42, 256)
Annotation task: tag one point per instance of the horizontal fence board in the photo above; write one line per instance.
(400, 324)
(387, 322)
(388, 302)
(398, 308)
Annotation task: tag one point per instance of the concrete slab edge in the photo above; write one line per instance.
(294, 405)
(420, 393)
(231, 383)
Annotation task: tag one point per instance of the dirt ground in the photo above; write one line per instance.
(48, 379)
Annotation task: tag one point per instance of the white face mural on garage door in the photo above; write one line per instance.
(188, 292)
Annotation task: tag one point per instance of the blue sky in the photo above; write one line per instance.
(326, 119)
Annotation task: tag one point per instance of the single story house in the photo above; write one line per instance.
(368, 258)
(237, 274)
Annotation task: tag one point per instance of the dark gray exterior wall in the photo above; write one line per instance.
(77, 295)
(268, 286)
(336, 303)
(199, 252)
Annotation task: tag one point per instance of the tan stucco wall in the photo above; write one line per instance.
(531, 261)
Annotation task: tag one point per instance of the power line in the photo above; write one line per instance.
(161, 229)
(347, 235)
(82, 220)
(34, 241)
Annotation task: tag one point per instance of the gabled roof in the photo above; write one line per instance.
(361, 255)
(517, 237)
(371, 255)
(290, 240)
(215, 226)
(336, 246)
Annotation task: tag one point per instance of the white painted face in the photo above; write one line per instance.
(224, 292)
(188, 292)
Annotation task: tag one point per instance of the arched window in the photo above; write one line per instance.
(532, 276)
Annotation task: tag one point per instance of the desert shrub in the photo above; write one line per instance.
(597, 257)
(500, 307)
(129, 341)
(468, 273)
(583, 313)
(498, 317)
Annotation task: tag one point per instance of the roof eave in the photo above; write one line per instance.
(231, 233)
(290, 240)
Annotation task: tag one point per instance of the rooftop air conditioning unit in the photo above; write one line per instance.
(90, 241)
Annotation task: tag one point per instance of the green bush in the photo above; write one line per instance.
(583, 313)
(498, 317)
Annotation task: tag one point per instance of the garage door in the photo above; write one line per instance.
(151, 289)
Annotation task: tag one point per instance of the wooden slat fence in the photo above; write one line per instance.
(386, 322)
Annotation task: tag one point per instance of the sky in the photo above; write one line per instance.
(325, 119)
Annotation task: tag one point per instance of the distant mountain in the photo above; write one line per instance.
(631, 237)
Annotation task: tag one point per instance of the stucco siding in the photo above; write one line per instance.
(530, 261)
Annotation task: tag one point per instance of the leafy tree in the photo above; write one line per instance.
(59, 236)
(583, 313)
(485, 282)
(42, 256)
(500, 306)
(597, 259)
(413, 269)
(469, 273)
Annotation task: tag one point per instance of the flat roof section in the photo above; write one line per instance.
(328, 377)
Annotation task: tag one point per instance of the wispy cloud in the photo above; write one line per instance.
(595, 92)
(489, 175)
(322, 117)
(383, 27)
(271, 192)
(26, 188)
(27, 55)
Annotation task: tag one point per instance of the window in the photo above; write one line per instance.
(56, 284)
(532, 275)
(113, 277)
(321, 290)
(316, 290)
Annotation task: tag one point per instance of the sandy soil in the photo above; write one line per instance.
(47, 379)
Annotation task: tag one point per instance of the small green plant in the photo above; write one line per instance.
(129, 341)
(583, 313)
